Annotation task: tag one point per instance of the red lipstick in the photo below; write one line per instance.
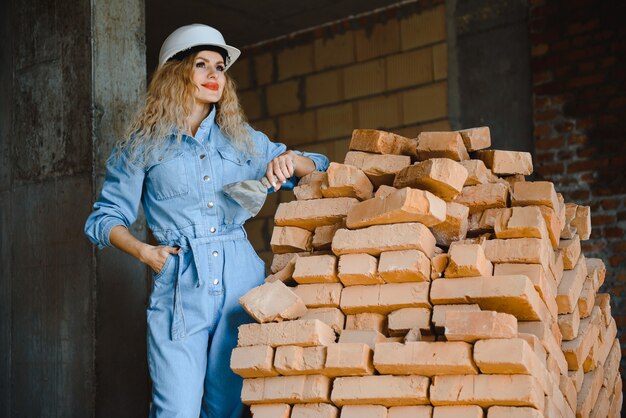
(211, 86)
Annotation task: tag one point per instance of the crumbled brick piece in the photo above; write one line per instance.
(476, 138)
(272, 302)
(455, 226)
(477, 173)
(380, 169)
(441, 176)
(507, 162)
(381, 142)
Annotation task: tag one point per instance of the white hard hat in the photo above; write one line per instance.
(187, 37)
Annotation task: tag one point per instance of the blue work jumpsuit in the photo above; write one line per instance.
(193, 311)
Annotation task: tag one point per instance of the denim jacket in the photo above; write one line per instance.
(182, 189)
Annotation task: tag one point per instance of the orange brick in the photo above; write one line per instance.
(464, 411)
(300, 332)
(570, 287)
(553, 224)
(611, 364)
(587, 299)
(280, 261)
(323, 235)
(309, 214)
(577, 350)
(272, 302)
(347, 181)
(409, 69)
(455, 226)
(533, 193)
(380, 39)
(556, 267)
(570, 249)
(281, 410)
(546, 287)
(405, 205)
(424, 28)
(319, 295)
(603, 301)
(508, 356)
(381, 142)
(380, 169)
(519, 250)
(253, 361)
(291, 360)
(477, 173)
(287, 239)
(569, 324)
(404, 266)
(582, 222)
(596, 266)
(333, 317)
(309, 186)
(282, 98)
(506, 163)
(314, 410)
(569, 231)
(381, 390)
(520, 222)
(471, 326)
(422, 411)
(484, 196)
(288, 389)
(513, 412)
(441, 176)
(358, 269)
(367, 321)
(589, 392)
(487, 390)
(368, 336)
(468, 260)
(316, 269)
(363, 411)
(441, 145)
(424, 358)
(425, 103)
(348, 359)
(542, 331)
(439, 313)
(376, 239)
(476, 138)
(403, 320)
(384, 298)
(438, 265)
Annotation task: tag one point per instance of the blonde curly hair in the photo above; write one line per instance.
(167, 105)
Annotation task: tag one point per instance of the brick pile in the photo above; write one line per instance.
(415, 281)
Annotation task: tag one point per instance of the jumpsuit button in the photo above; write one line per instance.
(215, 253)
(202, 156)
(212, 229)
(216, 282)
(210, 204)
(206, 178)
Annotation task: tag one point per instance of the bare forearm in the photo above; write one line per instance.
(121, 238)
(303, 165)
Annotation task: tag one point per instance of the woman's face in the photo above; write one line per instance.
(208, 77)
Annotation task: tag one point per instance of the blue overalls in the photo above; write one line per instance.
(193, 313)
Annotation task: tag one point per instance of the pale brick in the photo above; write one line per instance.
(358, 269)
(272, 302)
(512, 294)
(582, 222)
(280, 261)
(607, 342)
(568, 324)
(542, 331)
(454, 228)
(421, 411)
(293, 360)
(602, 405)
(368, 336)
(384, 298)
(570, 287)
(333, 317)
(535, 272)
(484, 196)
(367, 321)
(309, 186)
(441, 145)
(458, 411)
(376, 239)
(381, 142)
(476, 138)
(553, 224)
(587, 298)
(577, 377)
(323, 235)
(320, 295)
(603, 301)
(404, 266)
(309, 214)
(287, 239)
(487, 390)
(570, 249)
(616, 401)
(405, 205)
(281, 410)
(439, 313)
(519, 250)
(556, 267)
(287, 389)
(611, 364)
(348, 359)
(299, 332)
(314, 410)
(536, 345)
(253, 361)
(363, 411)
(506, 163)
(316, 269)
(589, 392)
(569, 230)
(471, 326)
(477, 173)
(533, 193)
(577, 350)
(513, 412)
(382, 390)
(468, 260)
(401, 321)
(520, 222)
(424, 358)
(441, 176)
(566, 385)
(384, 191)
(438, 265)
(347, 181)
(596, 265)
(380, 169)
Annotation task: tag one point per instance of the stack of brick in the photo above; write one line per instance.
(413, 281)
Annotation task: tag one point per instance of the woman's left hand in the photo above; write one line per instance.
(281, 168)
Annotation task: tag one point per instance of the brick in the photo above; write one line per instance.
(438, 265)
(347, 181)
(320, 295)
(287, 239)
(601, 408)
(603, 301)
(464, 411)
(253, 361)
(577, 377)
(264, 68)
(403, 320)
(509, 356)
(440, 61)
(577, 350)
(542, 331)
(309, 214)
(424, 28)
(380, 39)
(333, 317)
(284, 274)
(421, 411)
(314, 410)
(468, 260)
(404, 205)
(381, 390)
(358, 269)
(519, 250)
(513, 412)
(611, 364)
(380, 169)
(309, 186)
(334, 51)
(348, 359)
(363, 411)
(381, 142)
(471, 326)
(251, 103)
(587, 298)
(335, 121)
(424, 358)
(596, 265)
(441, 145)
(425, 103)
(512, 294)
(280, 261)
(300, 332)
(477, 173)
(282, 98)
(454, 228)
(570, 249)
(379, 112)
(384, 298)
(272, 302)
(535, 272)
(589, 392)
(568, 324)
(487, 390)
(568, 230)
(476, 138)
(440, 176)
(569, 390)
(582, 222)
(376, 239)
(533, 193)
(281, 410)
(556, 267)
(404, 266)
(570, 287)
(439, 313)
(323, 235)
(506, 163)
(616, 400)
(553, 224)
(293, 360)
(324, 88)
(384, 190)
(367, 321)
(287, 389)
(409, 69)
(520, 222)
(369, 336)
(364, 79)
(295, 61)
(316, 269)
(484, 196)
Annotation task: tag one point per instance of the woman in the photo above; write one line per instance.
(188, 141)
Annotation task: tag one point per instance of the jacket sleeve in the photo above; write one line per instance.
(274, 149)
(119, 200)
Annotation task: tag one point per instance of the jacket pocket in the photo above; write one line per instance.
(168, 178)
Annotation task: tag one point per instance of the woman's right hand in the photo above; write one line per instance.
(156, 256)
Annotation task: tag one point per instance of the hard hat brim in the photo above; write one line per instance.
(232, 52)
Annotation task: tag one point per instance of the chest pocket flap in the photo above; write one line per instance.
(231, 154)
(168, 177)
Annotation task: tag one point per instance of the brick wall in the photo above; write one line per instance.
(386, 70)
(579, 83)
